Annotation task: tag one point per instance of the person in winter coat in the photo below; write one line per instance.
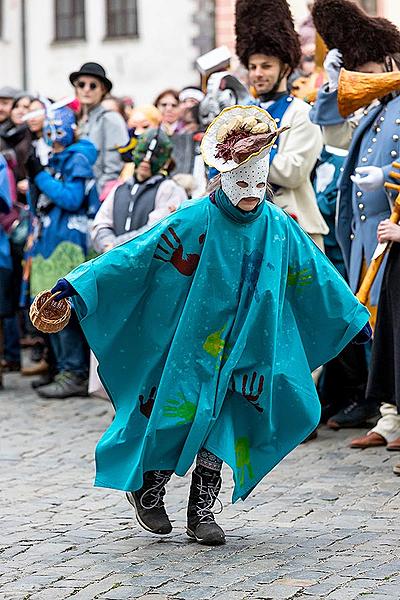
(42, 362)
(15, 142)
(106, 129)
(149, 196)
(15, 145)
(6, 274)
(359, 42)
(61, 202)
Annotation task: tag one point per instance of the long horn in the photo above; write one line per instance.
(360, 89)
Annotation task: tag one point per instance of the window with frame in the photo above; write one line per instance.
(122, 18)
(69, 20)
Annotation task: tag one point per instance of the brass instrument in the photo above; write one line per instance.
(360, 89)
(320, 51)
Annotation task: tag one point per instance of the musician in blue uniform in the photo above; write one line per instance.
(367, 44)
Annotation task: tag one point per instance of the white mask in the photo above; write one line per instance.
(253, 179)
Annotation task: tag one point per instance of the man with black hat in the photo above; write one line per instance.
(268, 46)
(367, 44)
(105, 129)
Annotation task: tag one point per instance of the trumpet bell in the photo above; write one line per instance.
(360, 89)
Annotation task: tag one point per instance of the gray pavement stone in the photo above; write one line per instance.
(155, 597)
(324, 524)
(52, 594)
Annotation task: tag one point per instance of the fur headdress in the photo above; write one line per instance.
(266, 27)
(359, 37)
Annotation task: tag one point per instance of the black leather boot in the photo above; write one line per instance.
(148, 502)
(204, 490)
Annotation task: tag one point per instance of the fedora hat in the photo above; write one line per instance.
(93, 70)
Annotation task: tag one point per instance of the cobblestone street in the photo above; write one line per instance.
(324, 524)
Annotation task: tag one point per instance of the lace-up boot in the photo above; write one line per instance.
(148, 502)
(204, 490)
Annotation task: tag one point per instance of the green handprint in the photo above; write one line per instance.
(242, 450)
(180, 409)
(300, 278)
(214, 344)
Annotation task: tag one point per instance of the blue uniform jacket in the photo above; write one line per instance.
(375, 142)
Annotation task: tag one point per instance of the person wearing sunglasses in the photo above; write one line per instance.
(168, 104)
(106, 129)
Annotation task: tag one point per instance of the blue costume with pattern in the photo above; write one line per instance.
(62, 208)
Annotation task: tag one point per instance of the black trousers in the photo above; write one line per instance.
(384, 376)
(344, 378)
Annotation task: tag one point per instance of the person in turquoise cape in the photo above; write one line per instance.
(206, 329)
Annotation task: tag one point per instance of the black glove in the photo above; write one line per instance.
(65, 288)
(33, 165)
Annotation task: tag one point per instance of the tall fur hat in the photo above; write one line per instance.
(359, 37)
(266, 27)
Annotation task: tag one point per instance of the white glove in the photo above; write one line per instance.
(368, 179)
(332, 65)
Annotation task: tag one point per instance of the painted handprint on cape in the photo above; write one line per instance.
(249, 393)
(243, 460)
(147, 406)
(299, 277)
(172, 251)
(181, 409)
(250, 273)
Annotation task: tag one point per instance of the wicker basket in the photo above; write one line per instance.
(47, 315)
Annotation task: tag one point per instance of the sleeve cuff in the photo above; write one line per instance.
(83, 281)
(325, 112)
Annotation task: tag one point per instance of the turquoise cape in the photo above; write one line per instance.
(206, 329)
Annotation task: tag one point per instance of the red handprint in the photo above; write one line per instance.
(147, 407)
(251, 395)
(174, 254)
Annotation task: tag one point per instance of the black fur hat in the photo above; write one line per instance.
(359, 37)
(266, 27)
